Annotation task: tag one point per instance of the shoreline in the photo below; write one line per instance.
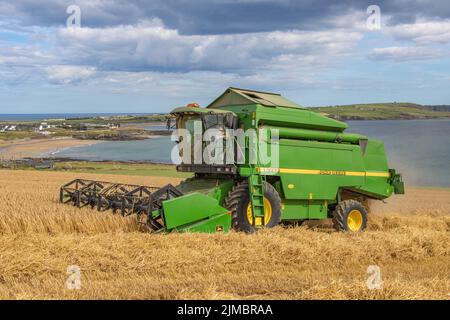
(38, 148)
(50, 148)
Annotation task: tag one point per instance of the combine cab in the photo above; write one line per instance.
(311, 169)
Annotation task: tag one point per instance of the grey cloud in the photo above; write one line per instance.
(152, 46)
(219, 16)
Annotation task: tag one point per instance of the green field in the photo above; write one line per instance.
(96, 120)
(109, 167)
(381, 111)
(71, 128)
(114, 119)
(131, 169)
(14, 135)
(128, 133)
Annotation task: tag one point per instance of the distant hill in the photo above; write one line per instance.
(384, 111)
(443, 107)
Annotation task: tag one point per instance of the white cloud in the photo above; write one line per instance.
(421, 32)
(65, 74)
(17, 55)
(405, 53)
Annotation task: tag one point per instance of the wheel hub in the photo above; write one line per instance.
(354, 220)
(267, 213)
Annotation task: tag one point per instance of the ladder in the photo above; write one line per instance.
(256, 191)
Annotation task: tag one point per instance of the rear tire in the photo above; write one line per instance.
(350, 216)
(238, 200)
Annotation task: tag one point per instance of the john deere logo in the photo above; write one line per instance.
(219, 228)
(333, 172)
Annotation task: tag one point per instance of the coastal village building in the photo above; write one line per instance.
(8, 128)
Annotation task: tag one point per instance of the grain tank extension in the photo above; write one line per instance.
(321, 172)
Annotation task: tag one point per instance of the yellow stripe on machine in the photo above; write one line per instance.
(378, 174)
(325, 172)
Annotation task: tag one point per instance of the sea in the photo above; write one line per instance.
(419, 149)
(47, 116)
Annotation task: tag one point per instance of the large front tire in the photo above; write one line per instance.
(350, 216)
(238, 202)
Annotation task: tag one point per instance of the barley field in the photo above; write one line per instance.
(408, 238)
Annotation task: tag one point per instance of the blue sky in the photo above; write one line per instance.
(150, 56)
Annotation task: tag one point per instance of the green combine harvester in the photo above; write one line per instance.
(320, 171)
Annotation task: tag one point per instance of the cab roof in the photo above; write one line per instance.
(198, 110)
(235, 96)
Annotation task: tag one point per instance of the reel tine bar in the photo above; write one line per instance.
(126, 198)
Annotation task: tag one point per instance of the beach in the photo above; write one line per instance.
(24, 148)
